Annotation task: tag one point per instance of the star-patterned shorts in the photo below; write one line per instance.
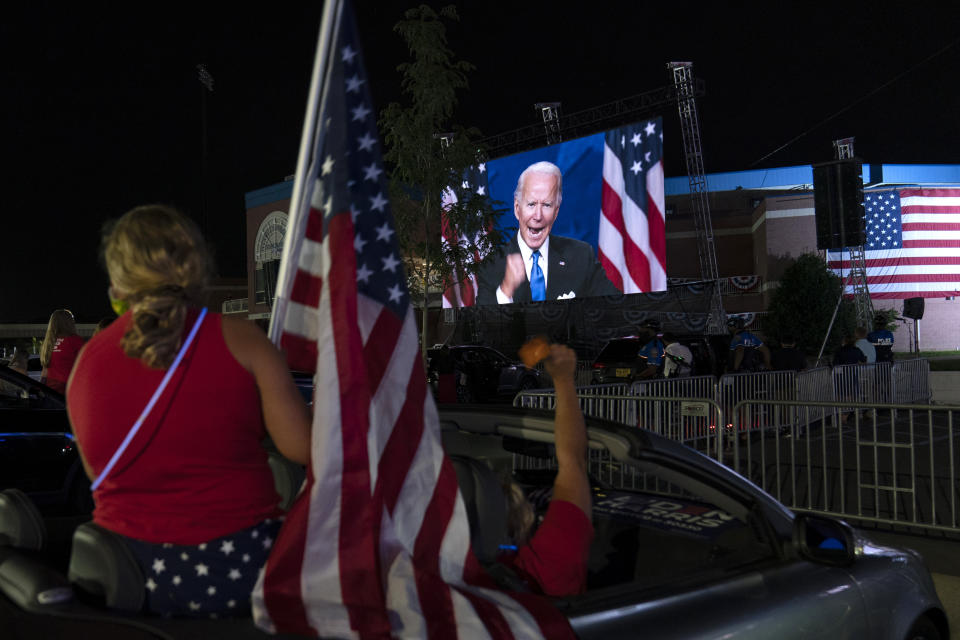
(209, 580)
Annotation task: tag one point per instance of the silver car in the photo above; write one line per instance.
(686, 548)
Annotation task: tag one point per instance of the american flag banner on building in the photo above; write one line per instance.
(377, 542)
(912, 246)
(462, 292)
(632, 240)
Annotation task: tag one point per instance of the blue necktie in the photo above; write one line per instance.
(538, 287)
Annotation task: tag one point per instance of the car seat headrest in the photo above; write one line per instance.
(486, 506)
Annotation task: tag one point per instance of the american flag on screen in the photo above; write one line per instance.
(912, 246)
(462, 292)
(632, 240)
(377, 543)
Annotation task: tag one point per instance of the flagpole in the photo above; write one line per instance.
(310, 139)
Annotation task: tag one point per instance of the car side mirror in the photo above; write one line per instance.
(824, 540)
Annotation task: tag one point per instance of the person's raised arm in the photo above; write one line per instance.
(285, 413)
(570, 432)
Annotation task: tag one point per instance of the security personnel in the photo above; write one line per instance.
(650, 357)
(881, 338)
(744, 347)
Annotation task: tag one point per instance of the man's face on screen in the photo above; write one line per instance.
(537, 208)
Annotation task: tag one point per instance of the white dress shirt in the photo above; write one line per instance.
(527, 254)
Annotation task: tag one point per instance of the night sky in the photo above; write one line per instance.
(102, 110)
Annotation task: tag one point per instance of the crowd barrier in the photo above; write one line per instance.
(878, 463)
(903, 382)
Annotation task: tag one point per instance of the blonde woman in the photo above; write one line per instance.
(193, 495)
(59, 350)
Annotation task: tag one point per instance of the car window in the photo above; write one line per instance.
(651, 531)
(13, 393)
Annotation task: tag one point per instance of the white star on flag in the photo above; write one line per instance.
(363, 273)
(358, 243)
(327, 166)
(378, 202)
(234, 574)
(202, 569)
(158, 566)
(151, 584)
(177, 580)
(360, 112)
(390, 263)
(384, 232)
(348, 54)
(353, 84)
(227, 547)
(650, 128)
(372, 172)
(635, 139)
(366, 142)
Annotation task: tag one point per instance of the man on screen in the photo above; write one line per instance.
(537, 265)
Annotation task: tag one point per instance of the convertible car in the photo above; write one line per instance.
(683, 548)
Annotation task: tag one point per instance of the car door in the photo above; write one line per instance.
(672, 561)
(37, 453)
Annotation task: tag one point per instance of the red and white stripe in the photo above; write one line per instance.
(632, 238)
(928, 263)
(378, 543)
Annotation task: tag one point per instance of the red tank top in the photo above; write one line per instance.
(64, 354)
(197, 469)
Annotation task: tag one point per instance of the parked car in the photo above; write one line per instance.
(37, 449)
(683, 548)
(617, 361)
(484, 374)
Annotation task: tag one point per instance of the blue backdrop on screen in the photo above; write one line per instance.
(580, 161)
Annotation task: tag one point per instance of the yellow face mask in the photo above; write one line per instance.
(118, 305)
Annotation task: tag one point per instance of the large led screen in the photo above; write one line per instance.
(582, 218)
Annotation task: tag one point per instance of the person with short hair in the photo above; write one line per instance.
(788, 357)
(650, 357)
(744, 347)
(60, 348)
(881, 338)
(864, 345)
(677, 358)
(539, 265)
(193, 497)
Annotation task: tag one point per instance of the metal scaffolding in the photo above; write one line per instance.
(857, 277)
(690, 128)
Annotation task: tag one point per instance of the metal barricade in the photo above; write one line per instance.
(910, 381)
(769, 385)
(888, 463)
(690, 387)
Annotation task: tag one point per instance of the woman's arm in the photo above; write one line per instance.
(570, 431)
(285, 414)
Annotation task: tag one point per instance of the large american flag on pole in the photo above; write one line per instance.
(912, 246)
(377, 543)
(461, 290)
(632, 239)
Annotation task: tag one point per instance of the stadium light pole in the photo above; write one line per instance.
(206, 86)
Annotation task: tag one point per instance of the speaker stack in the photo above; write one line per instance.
(838, 202)
(913, 308)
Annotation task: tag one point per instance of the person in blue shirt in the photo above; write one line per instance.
(746, 349)
(650, 357)
(882, 339)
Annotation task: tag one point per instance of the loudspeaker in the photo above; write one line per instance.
(913, 308)
(838, 204)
